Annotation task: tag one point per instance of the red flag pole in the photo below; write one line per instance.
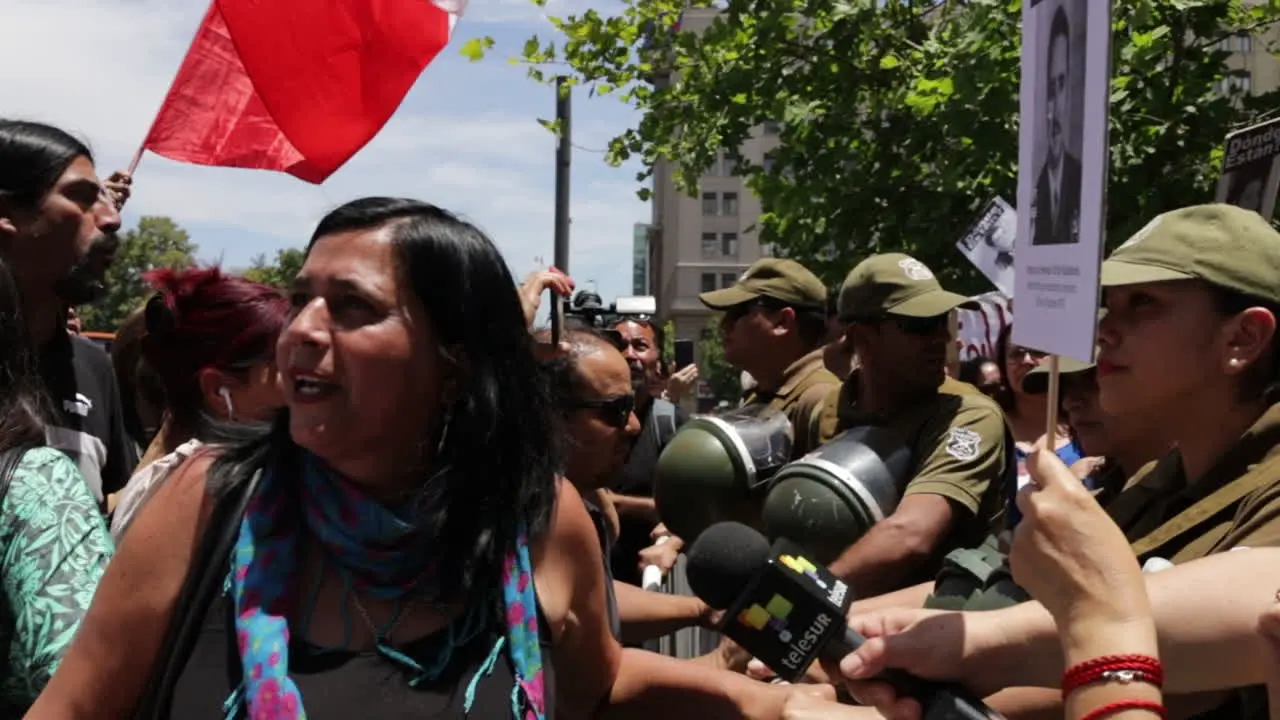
(137, 156)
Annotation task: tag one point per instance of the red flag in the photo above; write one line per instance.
(295, 85)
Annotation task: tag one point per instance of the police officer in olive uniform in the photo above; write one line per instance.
(774, 327)
(896, 319)
(1236, 502)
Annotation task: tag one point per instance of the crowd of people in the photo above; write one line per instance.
(383, 492)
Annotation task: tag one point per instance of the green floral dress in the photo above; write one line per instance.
(55, 548)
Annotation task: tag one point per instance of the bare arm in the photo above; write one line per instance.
(893, 548)
(635, 506)
(912, 597)
(1206, 614)
(647, 615)
(596, 677)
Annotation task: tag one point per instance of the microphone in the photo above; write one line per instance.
(786, 611)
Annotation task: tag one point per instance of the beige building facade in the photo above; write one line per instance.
(704, 242)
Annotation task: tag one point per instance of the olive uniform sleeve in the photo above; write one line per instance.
(962, 460)
(806, 417)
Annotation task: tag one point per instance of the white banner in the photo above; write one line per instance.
(978, 330)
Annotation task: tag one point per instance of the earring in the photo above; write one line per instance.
(1234, 362)
(226, 398)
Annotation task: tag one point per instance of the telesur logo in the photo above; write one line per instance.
(774, 615)
(835, 594)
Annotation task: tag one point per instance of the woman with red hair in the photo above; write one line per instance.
(210, 339)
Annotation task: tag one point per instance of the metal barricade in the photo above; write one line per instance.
(689, 642)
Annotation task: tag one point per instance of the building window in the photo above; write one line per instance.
(708, 282)
(728, 244)
(772, 127)
(709, 205)
(768, 162)
(766, 249)
(1238, 43)
(731, 161)
(1231, 85)
(728, 279)
(710, 245)
(728, 203)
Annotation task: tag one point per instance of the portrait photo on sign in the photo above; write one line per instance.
(1058, 121)
(1246, 186)
(1064, 101)
(989, 243)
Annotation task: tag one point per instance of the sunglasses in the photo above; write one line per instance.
(741, 310)
(615, 411)
(920, 325)
(1017, 352)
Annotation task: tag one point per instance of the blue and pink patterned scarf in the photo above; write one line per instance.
(386, 553)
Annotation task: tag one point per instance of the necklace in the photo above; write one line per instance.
(383, 636)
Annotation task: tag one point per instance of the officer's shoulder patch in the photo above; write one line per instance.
(963, 443)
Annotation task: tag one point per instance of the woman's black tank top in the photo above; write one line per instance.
(341, 685)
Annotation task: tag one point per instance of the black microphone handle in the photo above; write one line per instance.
(941, 701)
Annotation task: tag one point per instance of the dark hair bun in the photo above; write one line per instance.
(159, 316)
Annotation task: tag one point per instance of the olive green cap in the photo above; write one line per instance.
(783, 280)
(1223, 245)
(1036, 382)
(895, 284)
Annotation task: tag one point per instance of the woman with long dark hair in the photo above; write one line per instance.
(54, 545)
(399, 544)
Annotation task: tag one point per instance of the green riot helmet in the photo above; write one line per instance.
(829, 498)
(717, 466)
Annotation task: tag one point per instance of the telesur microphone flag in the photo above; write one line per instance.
(297, 86)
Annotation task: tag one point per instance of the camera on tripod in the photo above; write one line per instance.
(588, 308)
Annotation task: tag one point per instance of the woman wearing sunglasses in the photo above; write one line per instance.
(1023, 411)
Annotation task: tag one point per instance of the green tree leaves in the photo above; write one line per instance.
(156, 242)
(279, 272)
(899, 119)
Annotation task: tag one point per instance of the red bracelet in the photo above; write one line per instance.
(1123, 669)
(1123, 705)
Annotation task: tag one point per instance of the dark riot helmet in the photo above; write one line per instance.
(717, 468)
(831, 497)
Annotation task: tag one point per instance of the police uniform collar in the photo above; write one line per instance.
(1260, 441)
(798, 370)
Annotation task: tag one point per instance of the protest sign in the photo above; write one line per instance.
(979, 330)
(1249, 163)
(988, 243)
(1062, 171)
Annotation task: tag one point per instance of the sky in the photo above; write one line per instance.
(466, 137)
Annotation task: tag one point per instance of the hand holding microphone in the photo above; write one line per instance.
(787, 612)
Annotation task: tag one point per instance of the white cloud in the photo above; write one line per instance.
(100, 68)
